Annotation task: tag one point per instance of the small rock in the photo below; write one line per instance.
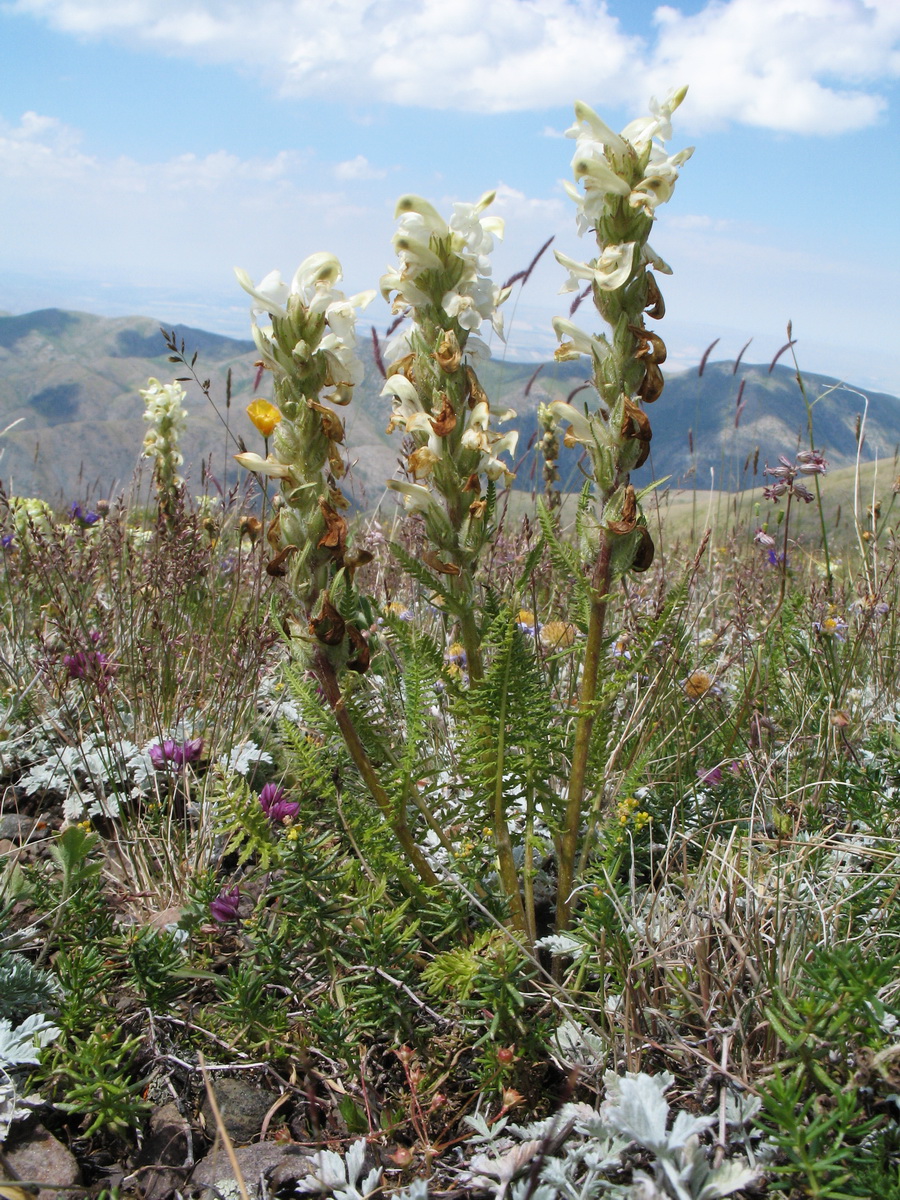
(243, 1106)
(39, 1157)
(277, 1163)
(167, 1145)
(15, 828)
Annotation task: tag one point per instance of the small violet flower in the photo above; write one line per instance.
(224, 907)
(82, 518)
(275, 804)
(188, 752)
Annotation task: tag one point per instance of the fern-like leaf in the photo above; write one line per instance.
(567, 562)
(240, 817)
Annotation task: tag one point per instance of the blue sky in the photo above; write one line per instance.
(149, 146)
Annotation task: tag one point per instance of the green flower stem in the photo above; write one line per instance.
(326, 675)
(506, 863)
(471, 640)
(569, 841)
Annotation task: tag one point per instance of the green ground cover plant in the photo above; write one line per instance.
(553, 855)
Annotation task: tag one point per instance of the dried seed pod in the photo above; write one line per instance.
(445, 421)
(653, 348)
(358, 559)
(362, 656)
(332, 425)
(645, 552)
(277, 566)
(628, 519)
(652, 384)
(475, 392)
(443, 568)
(250, 527)
(329, 626)
(656, 306)
(448, 354)
(335, 536)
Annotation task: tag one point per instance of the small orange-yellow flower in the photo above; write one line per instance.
(697, 684)
(265, 416)
(558, 635)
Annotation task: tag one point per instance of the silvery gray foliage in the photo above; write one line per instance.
(576, 1154)
(575, 1047)
(636, 1106)
(340, 1177)
(19, 1046)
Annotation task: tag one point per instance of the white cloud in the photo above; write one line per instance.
(187, 218)
(792, 65)
(808, 66)
(358, 168)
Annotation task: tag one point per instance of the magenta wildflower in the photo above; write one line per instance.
(174, 752)
(90, 665)
(189, 751)
(713, 777)
(224, 907)
(162, 753)
(275, 804)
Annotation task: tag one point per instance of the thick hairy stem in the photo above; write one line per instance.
(472, 643)
(568, 843)
(328, 679)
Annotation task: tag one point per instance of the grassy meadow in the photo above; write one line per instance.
(735, 923)
(480, 844)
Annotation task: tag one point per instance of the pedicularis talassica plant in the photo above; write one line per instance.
(454, 456)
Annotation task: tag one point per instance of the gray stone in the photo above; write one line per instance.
(278, 1163)
(15, 828)
(40, 1158)
(243, 1106)
(166, 1146)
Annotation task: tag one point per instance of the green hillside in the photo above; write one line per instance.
(71, 382)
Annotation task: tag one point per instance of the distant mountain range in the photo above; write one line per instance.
(71, 380)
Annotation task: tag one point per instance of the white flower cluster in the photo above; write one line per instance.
(165, 412)
(408, 414)
(311, 293)
(605, 162)
(634, 168)
(455, 253)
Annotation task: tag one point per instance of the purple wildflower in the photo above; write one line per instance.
(806, 462)
(90, 665)
(275, 804)
(713, 777)
(189, 751)
(162, 753)
(224, 907)
(776, 558)
(7, 540)
(84, 519)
